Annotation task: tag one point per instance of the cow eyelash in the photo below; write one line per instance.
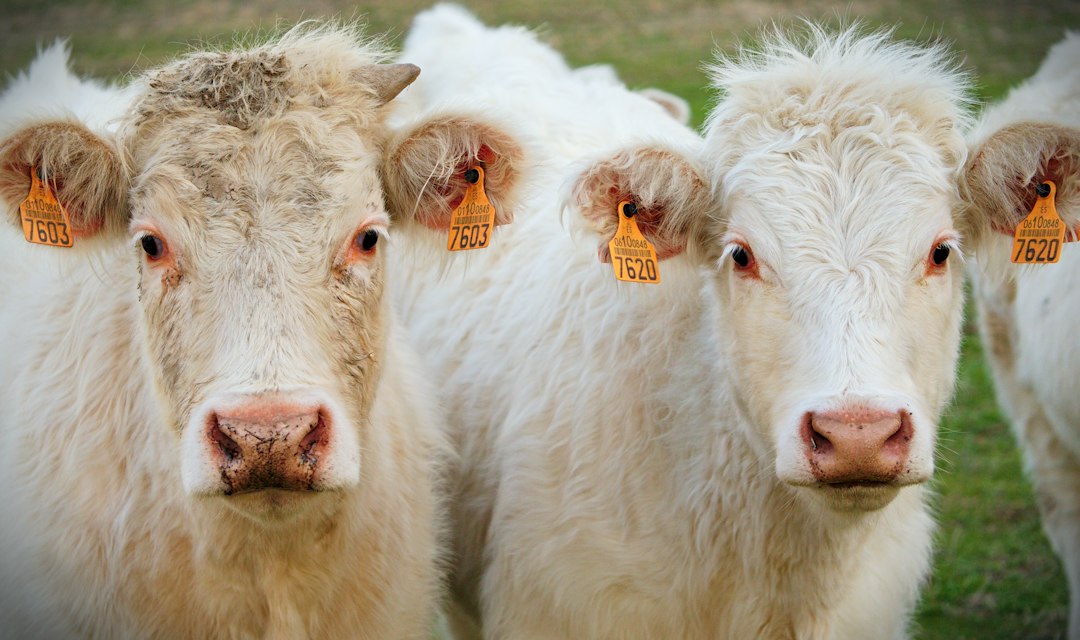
(152, 244)
(943, 251)
(742, 259)
(364, 244)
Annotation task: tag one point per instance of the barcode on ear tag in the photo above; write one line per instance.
(1039, 236)
(44, 219)
(633, 258)
(473, 220)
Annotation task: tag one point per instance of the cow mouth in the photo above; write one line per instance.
(272, 490)
(271, 504)
(858, 484)
(857, 496)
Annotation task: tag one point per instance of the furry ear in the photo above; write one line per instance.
(425, 164)
(84, 170)
(386, 80)
(1001, 175)
(669, 189)
(675, 106)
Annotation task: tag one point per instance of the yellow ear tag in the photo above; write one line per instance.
(633, 257)
(44, 219)
(1039, 236)
(474, 219)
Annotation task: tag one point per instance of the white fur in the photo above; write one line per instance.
(619, 474)
(530, 83)
(47, 89)
(1028, 322)
(103, 540)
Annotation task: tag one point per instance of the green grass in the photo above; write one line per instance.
(995, 576)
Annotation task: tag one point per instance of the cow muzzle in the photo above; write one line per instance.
(293, 442)
(275, 445)
(858, 446)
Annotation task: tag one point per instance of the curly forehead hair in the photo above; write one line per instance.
(312, 65)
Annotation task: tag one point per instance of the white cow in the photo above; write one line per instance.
(741, 450)
(212, 426)
(1028, 319)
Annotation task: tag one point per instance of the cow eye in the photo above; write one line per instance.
(741, 256)
(153, 246)
(940, 254)
(367, 240)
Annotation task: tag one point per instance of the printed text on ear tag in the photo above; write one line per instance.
(633, 257)
(44, 219)
(1039, 236)
(473, 220)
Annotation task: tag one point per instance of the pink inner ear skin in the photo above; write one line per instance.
(81, 226)
(86, 230)
(649, 224)
(457, 185)
(1056, 169)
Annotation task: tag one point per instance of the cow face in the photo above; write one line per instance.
(829, 246)
(246, 186)
(837, 259)
(838, 265)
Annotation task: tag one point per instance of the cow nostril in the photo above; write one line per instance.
(225, 444)
(817, 441)
(310, 445)
(902, 436)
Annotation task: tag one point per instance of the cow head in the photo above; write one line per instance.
(836, 255)
(832, 254)
(245, 186)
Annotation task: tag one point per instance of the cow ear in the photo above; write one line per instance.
(1003, 171)
(675, 106)
(84, 170)
(425, 164)
(667, 186)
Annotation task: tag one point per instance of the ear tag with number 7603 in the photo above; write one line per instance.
(633, 257)
(1039, 236)
(44, 219)
(473, 220)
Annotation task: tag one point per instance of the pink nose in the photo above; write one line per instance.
(857, 445)
(269, 445)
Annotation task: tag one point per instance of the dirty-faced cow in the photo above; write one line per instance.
(741, 450)
(1027, 315)
(211, 425)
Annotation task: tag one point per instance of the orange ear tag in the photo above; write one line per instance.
(1039, 236)
(474, 219)
(44, 219)
(633, 257)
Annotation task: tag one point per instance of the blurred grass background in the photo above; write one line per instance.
(995, 575)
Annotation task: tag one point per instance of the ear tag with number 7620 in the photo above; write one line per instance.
(633, 257)
(1039, 236)
(473, 220)
(44, 219)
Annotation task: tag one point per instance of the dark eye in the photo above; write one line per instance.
(367, 240)
(740, 256)
(940, 254)
(153, 246)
